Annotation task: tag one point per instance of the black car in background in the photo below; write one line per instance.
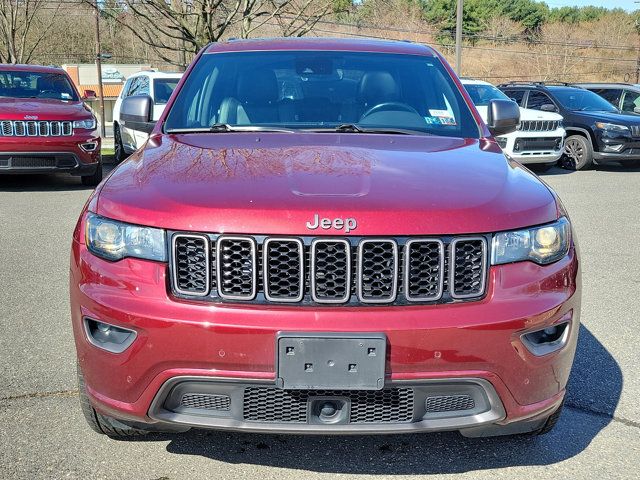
(624, 96)
(597, 132)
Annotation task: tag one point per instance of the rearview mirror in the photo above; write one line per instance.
(503, 116)
(548, 107)
(136, 113)
(89, 95)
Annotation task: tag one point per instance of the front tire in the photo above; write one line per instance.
(578, 153)
(94, 179)
(101, 423)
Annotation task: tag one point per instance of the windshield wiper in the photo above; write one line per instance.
(226, 128)
(354, 128)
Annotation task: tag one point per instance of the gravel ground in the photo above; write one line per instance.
(43, 434)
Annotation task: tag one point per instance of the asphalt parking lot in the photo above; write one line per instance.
(43, 433)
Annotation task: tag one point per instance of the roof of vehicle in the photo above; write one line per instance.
(154, 74)
(322, 44)
(473, 81)
(607, 85)
(4, 67)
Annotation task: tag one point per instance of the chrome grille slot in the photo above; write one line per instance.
(190, 264)
(19, 129)
(330, 271)
(423, 269)
(635, 130)
(43, 129)
(538, 125)
(55, 129)
(283, 274)
(32, 128)
(6, 128)
(377, 271)
(67, 129)
(236, 268)
(467, 271)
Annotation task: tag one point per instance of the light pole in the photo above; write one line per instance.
(459, 38)
(99, 57)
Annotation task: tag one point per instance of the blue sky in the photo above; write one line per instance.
(628, 5)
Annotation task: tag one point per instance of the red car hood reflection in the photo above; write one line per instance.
(273, 183)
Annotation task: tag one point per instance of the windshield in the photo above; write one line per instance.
(579, 99)
(163, 88)
(17, 84)
(481, 94)
(316, 90)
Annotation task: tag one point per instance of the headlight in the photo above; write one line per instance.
(114, 240)
(88, 124)
(542, 245)
(612, 127)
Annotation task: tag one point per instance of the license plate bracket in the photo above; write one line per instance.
(331, 361)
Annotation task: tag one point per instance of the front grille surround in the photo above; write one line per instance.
(317, 293)
(266, 275)
(408, 269)
(35, 128)
(226, 285)
(538, 125)
(177, 283)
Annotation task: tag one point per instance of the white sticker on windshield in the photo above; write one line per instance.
(65, 96)
(440, 113)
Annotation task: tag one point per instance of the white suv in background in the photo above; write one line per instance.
(159, 86)
(539, 139)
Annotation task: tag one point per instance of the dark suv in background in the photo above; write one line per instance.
(597, 132)
(623, 96)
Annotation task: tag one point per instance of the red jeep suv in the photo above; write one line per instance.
(322, 236)
(44, 125)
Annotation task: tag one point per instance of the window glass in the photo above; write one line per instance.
(611, 95)
(481, 94)
(631, 101)
(139, 86)
(20, 84)
(320, 90)
(537, 99)
(515, 95)
(163, 88)
(581, 100)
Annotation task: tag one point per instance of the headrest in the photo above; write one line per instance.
(377, 87)
(258, 86)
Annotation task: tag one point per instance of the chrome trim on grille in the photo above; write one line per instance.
(312, 273)
(407, 270)
(254, 267)
(452, 267)
(394, 285)
(34, 128)
(265, 269)
(207, 249)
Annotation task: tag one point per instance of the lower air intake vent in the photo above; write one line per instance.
(449, 403)
(205, 401)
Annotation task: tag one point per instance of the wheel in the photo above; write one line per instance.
(93, 179)
(578, 153)
(118, 147)
(101, 423)
(551, 421)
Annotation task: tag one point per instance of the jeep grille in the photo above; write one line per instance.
(538, 125)
(325, 270)
(31, 128)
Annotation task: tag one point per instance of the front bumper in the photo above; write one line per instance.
(78, 154)
(615, 147)
(429, 346)
(534, 147)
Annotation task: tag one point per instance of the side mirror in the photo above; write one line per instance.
(89, 95)
(548, 107)
(503, 116)
(136, 113)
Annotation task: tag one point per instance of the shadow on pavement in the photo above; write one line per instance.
(45, 182)
(594, 391)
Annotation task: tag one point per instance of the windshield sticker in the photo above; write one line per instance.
(65, 96)
(443, 117)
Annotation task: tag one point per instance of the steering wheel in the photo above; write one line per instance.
(403, 107)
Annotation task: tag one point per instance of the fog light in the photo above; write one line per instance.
(546, 340)
(108, 337)
(516, 146)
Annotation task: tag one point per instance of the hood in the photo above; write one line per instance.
(43, 109)
(274, 183)
(613, 117)
(527, 114)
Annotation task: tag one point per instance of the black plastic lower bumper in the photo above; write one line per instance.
(44, 162)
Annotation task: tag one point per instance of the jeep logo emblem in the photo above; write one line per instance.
(338, 223)
(30, 117)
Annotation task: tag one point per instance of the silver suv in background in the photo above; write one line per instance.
(128, 135)
(624, 96)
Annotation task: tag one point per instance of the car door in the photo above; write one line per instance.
(128, 134)
(536, 100)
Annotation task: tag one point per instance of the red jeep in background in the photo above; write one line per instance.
(322, 236)
(44, 125)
